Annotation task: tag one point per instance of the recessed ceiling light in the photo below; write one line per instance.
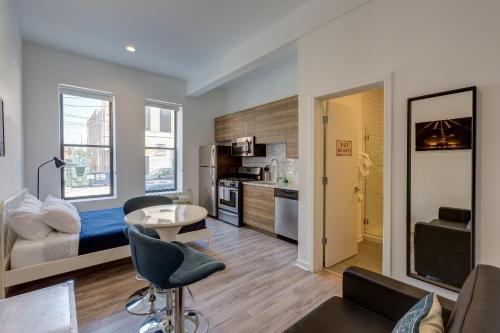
(130, 48)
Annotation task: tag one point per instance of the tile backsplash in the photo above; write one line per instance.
(287, 166)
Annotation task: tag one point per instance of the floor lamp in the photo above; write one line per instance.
(59, 164)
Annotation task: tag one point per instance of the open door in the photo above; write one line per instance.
(342, 144)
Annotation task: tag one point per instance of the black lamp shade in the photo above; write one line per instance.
(59, 163)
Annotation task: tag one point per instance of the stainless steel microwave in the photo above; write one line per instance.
(247, 147)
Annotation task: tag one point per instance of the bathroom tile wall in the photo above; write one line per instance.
(288, 167)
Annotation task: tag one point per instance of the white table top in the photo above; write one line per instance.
(167, 216)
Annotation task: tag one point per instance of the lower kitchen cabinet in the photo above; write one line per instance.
(258, 207)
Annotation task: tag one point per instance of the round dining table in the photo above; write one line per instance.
(167, 220)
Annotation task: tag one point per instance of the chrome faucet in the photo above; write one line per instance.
(275, 175)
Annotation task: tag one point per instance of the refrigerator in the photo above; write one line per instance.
(215, 161)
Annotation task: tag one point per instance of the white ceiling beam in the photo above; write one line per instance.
(269, 44)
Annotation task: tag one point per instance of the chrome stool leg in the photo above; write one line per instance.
(191, 321)
(146, 301)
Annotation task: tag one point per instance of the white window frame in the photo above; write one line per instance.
(97, 94)
(177, 108)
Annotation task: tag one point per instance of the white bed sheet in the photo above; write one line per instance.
(57, 245)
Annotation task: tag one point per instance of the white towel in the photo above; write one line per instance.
(364, 164)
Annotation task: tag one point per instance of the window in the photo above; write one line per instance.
(86, 143)
(161, 150)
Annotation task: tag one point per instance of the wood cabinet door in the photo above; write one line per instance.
(292, 132)
(272, 120)
(258, 207)
(270, 125)
(244, 123)
(224, 128)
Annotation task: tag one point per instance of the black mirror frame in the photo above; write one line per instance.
(473, 89)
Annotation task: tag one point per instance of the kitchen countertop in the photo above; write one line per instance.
(282, 186)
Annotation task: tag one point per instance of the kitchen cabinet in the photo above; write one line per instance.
(258, 207)
(244, 123)
(275, 122)
(292, 133)
(224, 128)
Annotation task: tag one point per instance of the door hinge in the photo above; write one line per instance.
(325, 180)
(325, 119)
(366, 221)
(324, 241)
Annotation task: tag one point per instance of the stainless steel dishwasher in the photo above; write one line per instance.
(286, 213)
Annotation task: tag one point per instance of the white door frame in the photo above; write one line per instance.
(316, 101)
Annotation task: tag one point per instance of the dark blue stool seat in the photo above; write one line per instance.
(195, 267)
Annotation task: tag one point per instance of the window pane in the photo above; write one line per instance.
(160, 127)
(85, 120)
(165, 121)
(160, 170)
(87, 172)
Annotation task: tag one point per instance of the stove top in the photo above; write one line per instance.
(237, 178)
(244, 174)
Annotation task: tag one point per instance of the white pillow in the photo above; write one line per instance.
(25, 219)
(60, 215)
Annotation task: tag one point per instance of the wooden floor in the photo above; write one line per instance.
(369, 257)
(261, 289)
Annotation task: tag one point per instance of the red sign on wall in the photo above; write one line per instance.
(344, 148)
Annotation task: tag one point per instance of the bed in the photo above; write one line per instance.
(101, 240)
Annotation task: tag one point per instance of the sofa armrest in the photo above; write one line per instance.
(384, 296)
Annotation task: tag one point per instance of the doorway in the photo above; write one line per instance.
(353, 168)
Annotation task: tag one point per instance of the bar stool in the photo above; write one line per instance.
(147, 300)
(171, 265)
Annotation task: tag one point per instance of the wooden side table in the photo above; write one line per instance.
(45, 310)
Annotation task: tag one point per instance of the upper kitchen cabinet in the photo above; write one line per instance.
(224, 128)
(270, 123)
(275, 122)
(292, 133)
(244, 123)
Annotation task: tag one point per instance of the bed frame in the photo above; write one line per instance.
(9, 278)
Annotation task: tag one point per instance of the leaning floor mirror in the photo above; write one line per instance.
(441, 185)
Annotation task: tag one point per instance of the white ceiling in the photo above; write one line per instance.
(173, 37)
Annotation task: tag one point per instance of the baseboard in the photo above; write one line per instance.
(371, 238)
(303, 265)
(360, 238)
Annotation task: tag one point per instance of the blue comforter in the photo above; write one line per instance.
(101, 230)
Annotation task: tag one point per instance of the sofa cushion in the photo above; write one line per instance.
(340, 315)
(478, 305)
(425, 316)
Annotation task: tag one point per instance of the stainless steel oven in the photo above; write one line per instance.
(230, 194)
(228, 199)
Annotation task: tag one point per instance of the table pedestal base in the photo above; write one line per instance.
(168, 234)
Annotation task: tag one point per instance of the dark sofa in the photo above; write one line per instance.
(374, 303)
(443, 247)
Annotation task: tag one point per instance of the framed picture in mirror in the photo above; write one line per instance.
(441, 173)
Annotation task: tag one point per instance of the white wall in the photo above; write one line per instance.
(428, 46)
(263, 87)
(11, 166)
(46, 68)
